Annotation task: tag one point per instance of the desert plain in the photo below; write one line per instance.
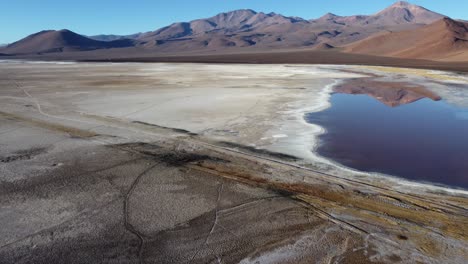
(208, 163)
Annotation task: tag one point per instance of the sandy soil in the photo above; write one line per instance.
(295, 56)
(441, 40)
(176, 163)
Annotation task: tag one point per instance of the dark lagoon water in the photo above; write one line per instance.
(423, 141)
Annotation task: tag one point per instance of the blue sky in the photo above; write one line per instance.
(19, 18)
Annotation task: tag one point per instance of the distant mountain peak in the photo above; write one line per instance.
(240, 12)
(59, 41)
(401, 4)
(331, 14)
(407, 6)
(403, 12)
(328, 16)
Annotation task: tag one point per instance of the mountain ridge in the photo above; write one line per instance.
(243, 29)
(248, 28)
(241, 18)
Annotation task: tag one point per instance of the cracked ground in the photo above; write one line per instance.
(88, 203)
(82, 200)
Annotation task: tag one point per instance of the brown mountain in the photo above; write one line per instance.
(243, 30)
(225, 23)
(445, 39)
(249, 29)
(397, 17)
(239, 28)
(60, 41)
(400, 13)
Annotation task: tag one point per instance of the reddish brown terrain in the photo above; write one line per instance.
(240, 30)
(445, 39)
(249, 29)
(402, 30)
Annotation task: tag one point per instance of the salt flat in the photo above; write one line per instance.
(164, 162)
(260, 106)
(250, 104)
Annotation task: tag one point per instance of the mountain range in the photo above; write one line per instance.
(402, 30)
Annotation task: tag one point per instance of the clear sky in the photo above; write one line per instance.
(19, 18)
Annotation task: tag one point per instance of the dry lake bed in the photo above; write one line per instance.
(213, 163)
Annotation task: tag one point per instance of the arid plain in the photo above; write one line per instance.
(204, 163)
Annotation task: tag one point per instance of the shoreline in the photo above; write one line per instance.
(306, 141)
(346, 171)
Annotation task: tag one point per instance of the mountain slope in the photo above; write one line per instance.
(240, 28)
(233, 22)
(60, 41)
(445, 39)
(246, 28)
(400, 13)
(403, 12)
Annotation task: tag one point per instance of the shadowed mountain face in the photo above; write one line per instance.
(61, 41)
(236, 28)
(233, 22)
(247, 28)
(444, 39)
(253, 31)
